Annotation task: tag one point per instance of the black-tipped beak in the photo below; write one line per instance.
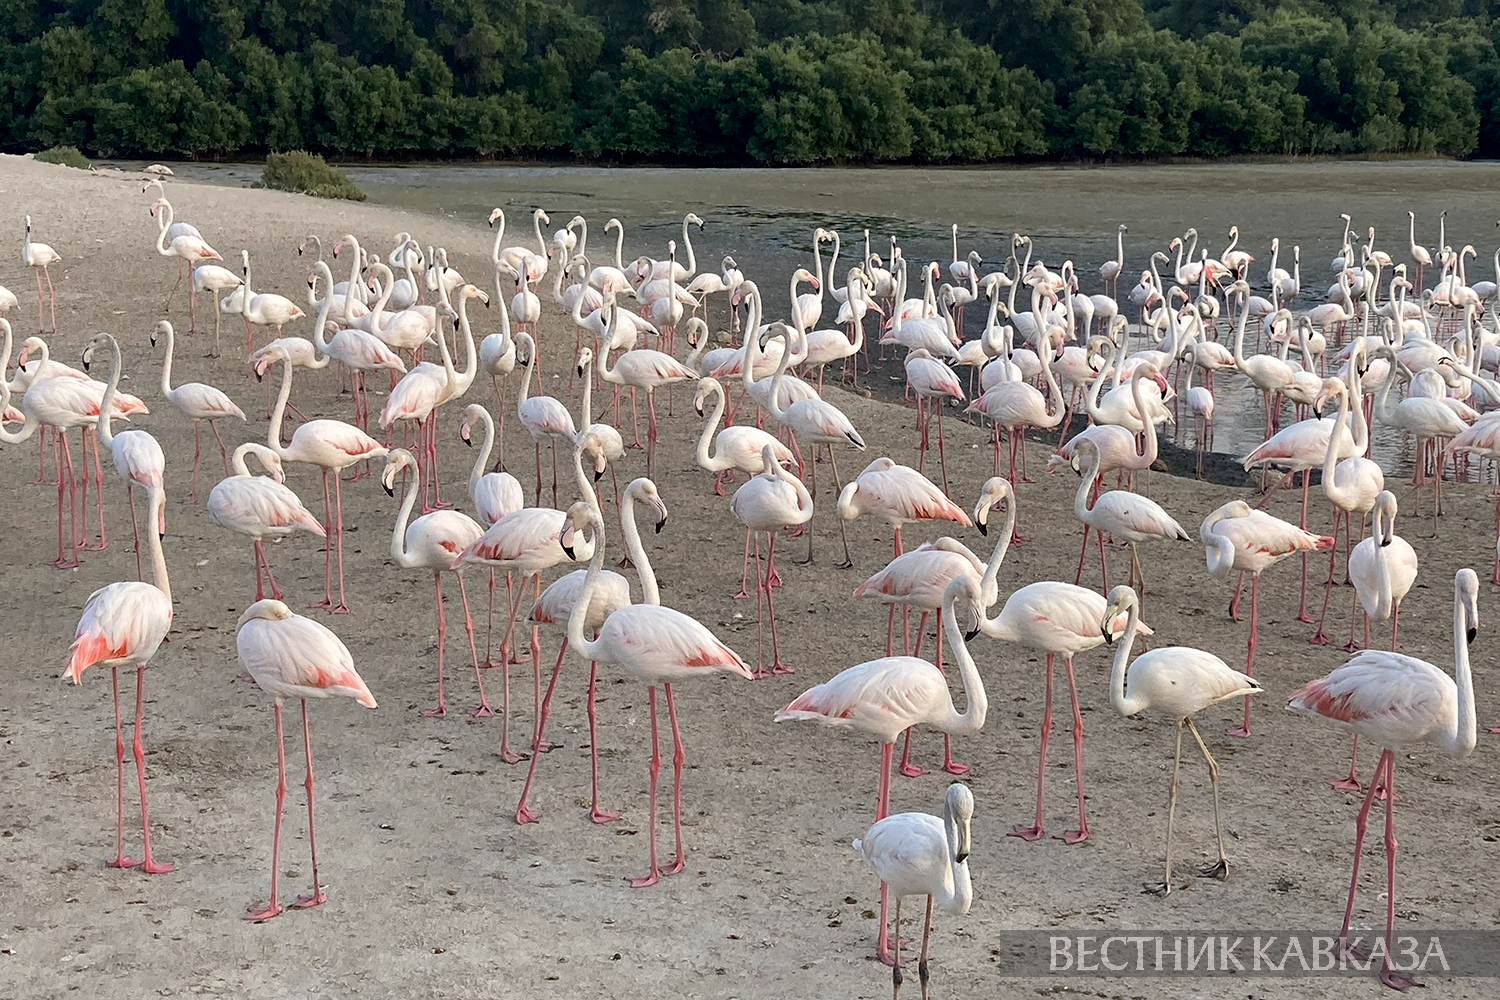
(85, 366)
(468, 440)
(698, 405)
(1109, 640)
(983, 528)
(969, 637)
(598, 475)
(1471, 634)
(568, 549)
(961, 858)
(660, 525)
(388, 491)
(580, 371)
(160, 535)
(259, 377)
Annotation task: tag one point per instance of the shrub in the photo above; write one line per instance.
(68, 156)
(307, 173)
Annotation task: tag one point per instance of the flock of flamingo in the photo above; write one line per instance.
(1378, 331)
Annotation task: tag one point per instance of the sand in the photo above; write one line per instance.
(434, 891)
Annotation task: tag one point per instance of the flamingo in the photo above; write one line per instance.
(917, 854)
(544, 418)
(1420, 255)
(416, 398)
(1058, 619)
(433, 542)
(123, 624)
(1127, 516)
(1109, 271)
(290, 656)
(1398, 701)
(136, 454)
(40, 257)
(1269, 373)
(1352, 485)
(265, 309)
(737, 448)
(932, 382)
(1179, 681)
(1428, 419)
(770, 502)
(898, 494)
(611, 593)
(332, 446)
(213, 279)
(197, 400)
(495, 495)
(187, 245)
(654, 645)
(259, 507)
(1200, 400)
(643, 369)
(1235, 537)
(497, 359)
(355, 349)
(885, 697)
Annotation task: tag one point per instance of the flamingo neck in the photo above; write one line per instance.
(631, 533)
(106, 405)
(707, 462)
(524, 392)
(576, 638)
(483, 460)
(156, 500)
(1460, 742)
(977, 703)
(398, 533)
(166, 364)
(273, 436)
(1123, 703)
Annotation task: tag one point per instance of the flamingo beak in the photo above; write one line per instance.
(1109, 640)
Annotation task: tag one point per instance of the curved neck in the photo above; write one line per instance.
(774, 402)
(1081, 498)
(483, 460)
(106, 405)
(499, 237)
(719, 463)
(237, 461)
(536, 228)
(1331, 456)
(465, 378)
(619, 248)
(166, 364)
(320, 328)
(977, 703)
(1383, 408)
(1385, 530)
(632, 536)
(398, 533)
(687, 244)
(576, 639)
(989, 583)
(531, 361)
(796, 312)
(1120, 249)
(1151, 447)
(1117, 697)
(1239, 339)
(154, 504)
(273, 436)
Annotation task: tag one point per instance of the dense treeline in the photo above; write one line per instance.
(752, 81)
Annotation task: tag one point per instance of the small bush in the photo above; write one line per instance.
(307, 173)
(68, 156)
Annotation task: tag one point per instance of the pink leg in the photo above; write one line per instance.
(327, 601)
(506, 754)
(275, 590)
(777, 667)
(596, 814)
(98, 489)
(442, 629)
(1351, 783)
(653, 872)
(1302, 615)
(523, 814)
(1388, 975)
(762, 591)
(1360, 824)
(338, 505)
(1082, 833)
(316, 897)
(1243, 729)
(679, 757)
(148, 866)
(272, 908)
(120, 860)
(1035, 831)
(483, 711)
(1319, 639)
(135, 528)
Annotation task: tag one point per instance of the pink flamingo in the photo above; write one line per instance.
(655, 645)
(919, 578)
(1398, 701)
(495, 495)
(526, 543)
(898, 494)
(333, 446)
(737, 447)
(197, 400)
(770, 502)
(356, 350)
(641, 369)
(1127, 516)
(40, 257)
(885, 697)
(433, 542)
(1382, 568)
(1351, 485)
(190, 249)
(122, 625)
(1059, 619)
(259, 507)
(290, 656)
(1179, 682)
(1015, 406)
(1251, 541)
(136, 454)
(262, 308)
(416, 398)
(932, 382)
(544, 417)
(611, 592)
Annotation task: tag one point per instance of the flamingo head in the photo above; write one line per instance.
(163, 328)
(398, 459)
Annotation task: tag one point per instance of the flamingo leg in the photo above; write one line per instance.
(762, 590)
(192, 496)
(120, 860)
(338, 505)
(1243, 729)
(536, 679)
(922, 972)
(1082, 832)
(896, 976)
(1361, 822)
(442, 628)
(317, 896)
(275, 590)
(838, 485)
(148, 866)
(1220, 870)
(272, 908)
(1351, 782)
(653, 873)
(1388, 975)
(777, 667)
(523, 814)
(679, 757)
(596, 814)
(1166, 885)
(1302, 615)
(327, 601)
(1319, 639)
(506, 754)
(1035, 831)
(135, 529)
(483, 711)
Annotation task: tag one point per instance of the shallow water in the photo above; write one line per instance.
(765, 218)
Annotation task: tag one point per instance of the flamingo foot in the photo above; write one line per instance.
(1397, 980)
(1319, 639)
(482, 712)
(158, 867)
(676, 866)
(740, 595)
(650, 878)
(846, 564)
(1157, 889)
(759, 674)
(435, 713)
(1238, 732)
(122, 861)
(1347, 785)
(339, 609)
(266, 912)
(1018, 539)
(1219, 871)
(1075, 836)
(597, 815)
(911, 771)
(510, 757)
(774, 580)
(525, 815)
(322, 605)
(796, 532)
(1493, 729)
(1026, 832)
(544, 747)
(955, 767)
(782, 668)
(315, 898)
(1350, 647)
(1306, 618)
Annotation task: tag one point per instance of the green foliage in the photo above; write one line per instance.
(308, 173)
(68, 156)
(752, 81)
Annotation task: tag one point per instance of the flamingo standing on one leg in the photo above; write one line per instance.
(40, 257)
(918, 854)
(1251, 541)
(1399, 701)
(433, 542)
(1178, 681)
(770, 502)
(655, 645)
(259, 507)
(885, 697)
(290, 656)
(122, 625)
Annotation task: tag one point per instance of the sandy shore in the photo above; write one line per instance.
(435, 891)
